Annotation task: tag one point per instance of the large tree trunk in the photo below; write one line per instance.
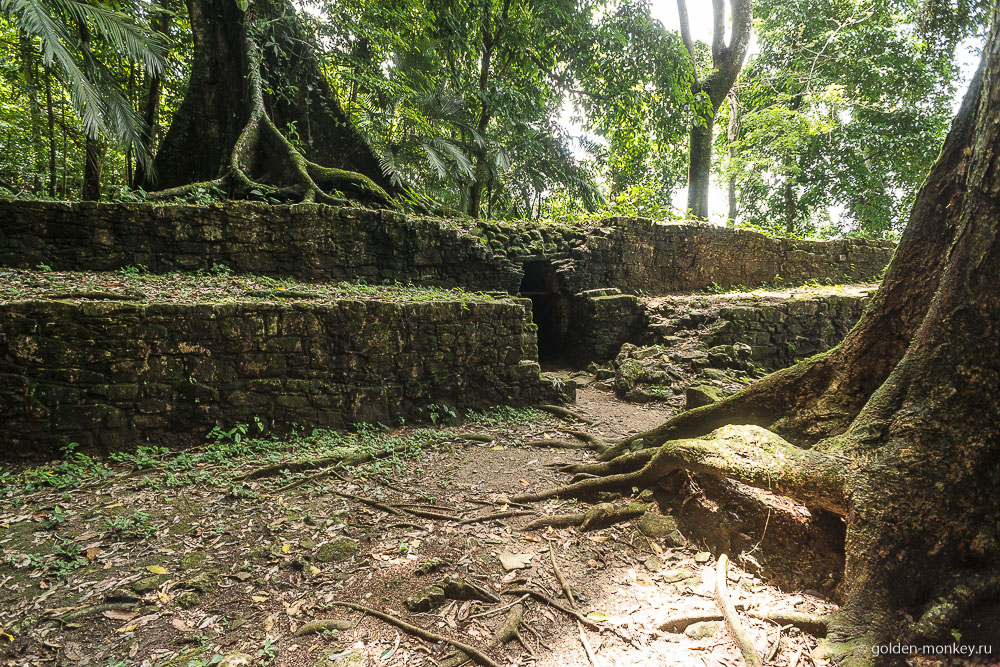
(228, 101)
(896, 429)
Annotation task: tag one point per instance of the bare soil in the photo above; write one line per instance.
(221, 566)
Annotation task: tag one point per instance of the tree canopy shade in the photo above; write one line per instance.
(895, 429)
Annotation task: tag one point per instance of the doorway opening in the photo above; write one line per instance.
(550, 309)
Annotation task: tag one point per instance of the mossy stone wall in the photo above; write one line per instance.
(316, 242)
(305, 241)
(117, 374)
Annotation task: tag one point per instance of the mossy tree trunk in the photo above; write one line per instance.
(897, 429)
(262, 120)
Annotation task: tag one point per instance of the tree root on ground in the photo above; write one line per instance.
(472, 652)
(396, 511)
(563, 413)
(810, 623)
(507, 631)
(497, 515)
(600, 516)
(747, 454)
(71, 616)
(729, 613)
(963, 593)
(588, 649)
(556, 444)
(545, 599)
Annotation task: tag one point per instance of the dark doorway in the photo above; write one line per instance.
(549, 309)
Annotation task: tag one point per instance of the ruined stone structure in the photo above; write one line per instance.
(114, 373)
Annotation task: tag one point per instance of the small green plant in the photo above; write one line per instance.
(440, 413)
(268, 652)
(134, 271)
(71, 472)
(136, 525)
(56, 519)
(215, 659)
(143, 458)
(44, 268)
(67, 558)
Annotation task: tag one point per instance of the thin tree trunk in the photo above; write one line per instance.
(700, 169)
(50, 112)
(727, 61)
(93, 164)
(151, 103)
(732, 136)
(27, 49)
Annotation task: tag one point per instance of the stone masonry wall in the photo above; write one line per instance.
(305, 241)
(117, 374)
(315, 242)
(640, 255)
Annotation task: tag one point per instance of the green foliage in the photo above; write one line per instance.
(63, 31)
(843, 110)
(136, 525)
(73, 471)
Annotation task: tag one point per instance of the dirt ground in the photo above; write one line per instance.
(175, 558)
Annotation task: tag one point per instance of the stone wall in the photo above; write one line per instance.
(780, 334)
(118, 373)
(603, 320)
(305, 241)
(639, 255)
(315, 242)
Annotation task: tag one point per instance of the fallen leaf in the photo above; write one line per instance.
(157, 569)
(511, 561)
(259, 598)
(92, 553)
(120, 614)
(179, 624)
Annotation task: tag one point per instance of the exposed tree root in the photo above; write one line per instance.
(563, 413)
(572, 603)
(729, 613)
(943, 614)
(472, 652)
(595, 443)
(323, 625)
(311, 182)
(541, 597)
(396, 511)
(814, 625)
(94, 609)
(503, 634)
(600, 516)
(556, 444)
(497, 515)
(747, 454)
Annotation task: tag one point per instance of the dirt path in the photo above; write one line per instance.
(170, 559)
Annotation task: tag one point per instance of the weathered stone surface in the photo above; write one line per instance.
(337, 657)
(336, 550)
(319, 242)
(703, 629)
(698, 395)
(116, 374)
(652, 524)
